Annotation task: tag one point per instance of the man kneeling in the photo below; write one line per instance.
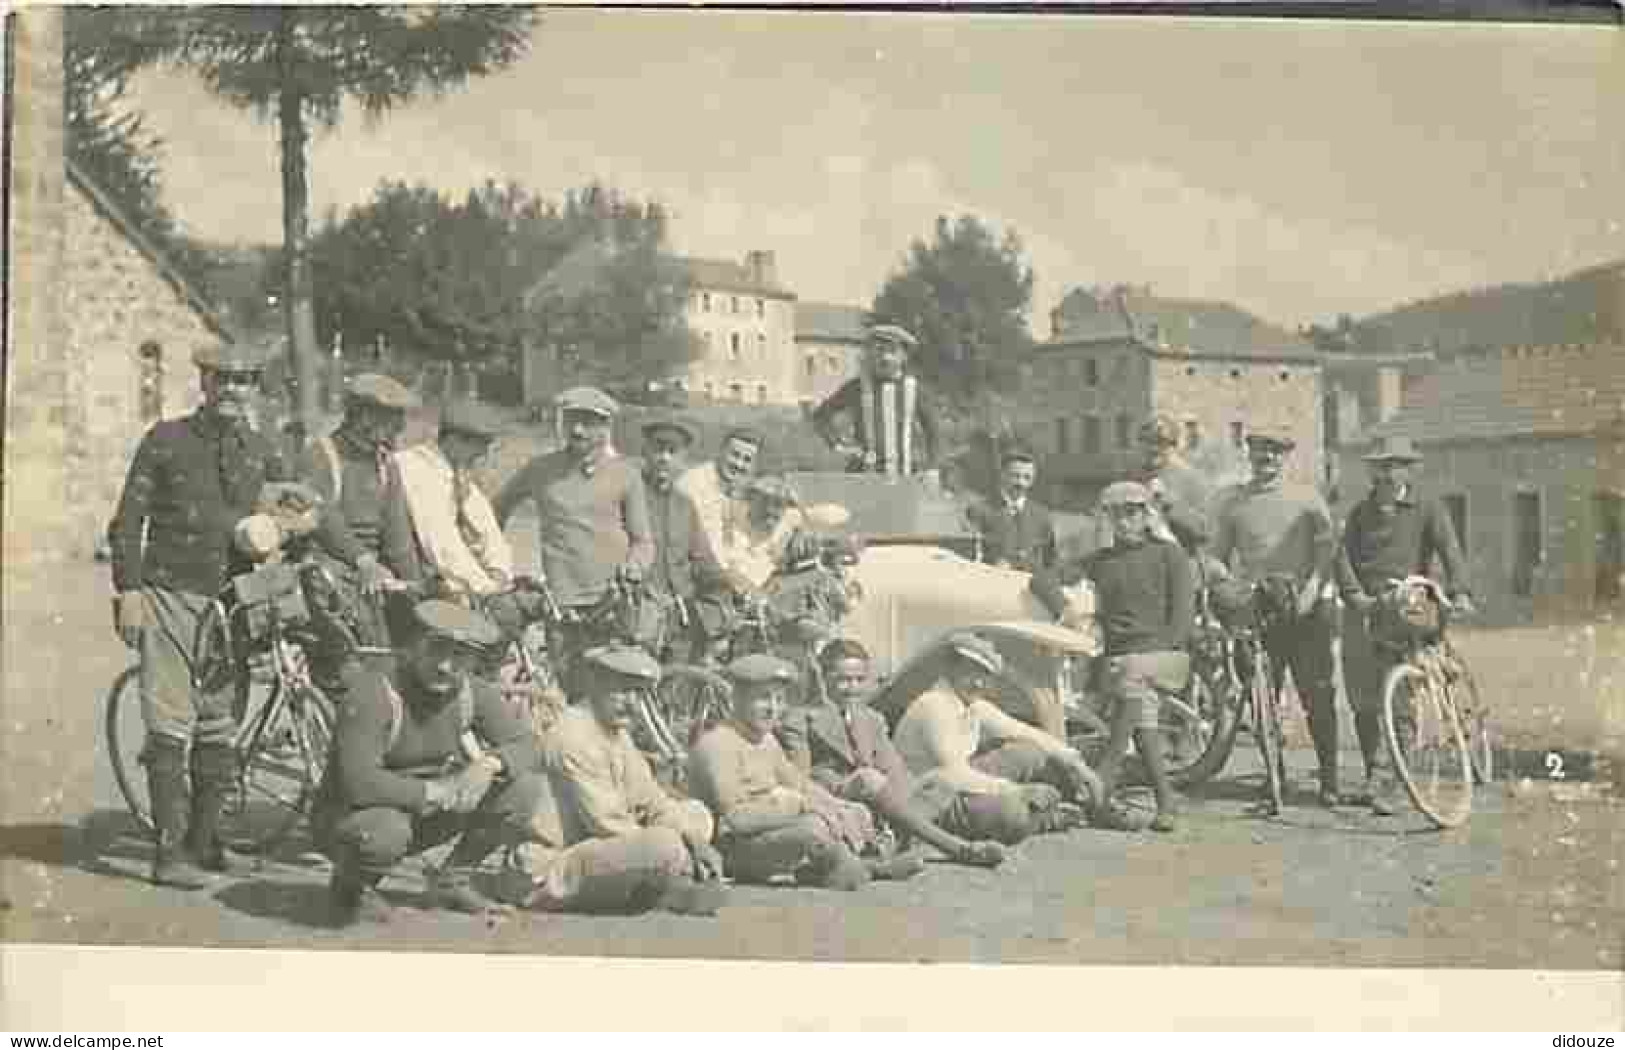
(982, 773)
(626, 846)
(408, 772)
(772, 821)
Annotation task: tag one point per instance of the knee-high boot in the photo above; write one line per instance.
(214, 773)
(165, 760)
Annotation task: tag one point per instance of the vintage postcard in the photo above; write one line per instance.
(820, 487)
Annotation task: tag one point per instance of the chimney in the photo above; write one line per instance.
(761, 267)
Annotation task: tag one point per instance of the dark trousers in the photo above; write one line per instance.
(1303, 644)
(1365, 665)
(371, 842)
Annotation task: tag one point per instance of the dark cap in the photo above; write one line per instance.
(772, 490)
(675, 424)
(761, 669)
(248, 356)
(374, 389)
(977, 650)
(472, 418)
(1272, 439)
(891, 333)
(1125, 494)
(749, 435)
(463, 626)
(626, 660)
(588, 399)
(1018, 454)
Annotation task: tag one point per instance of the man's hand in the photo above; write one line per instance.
(1308, 596)
(374, 578)
(130, 617)
(707, 861)
(630, 573)
(468, 787)
(1361, 602)
(1463, 604)
(1039, 797)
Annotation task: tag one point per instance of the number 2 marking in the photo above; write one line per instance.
(1554, 766)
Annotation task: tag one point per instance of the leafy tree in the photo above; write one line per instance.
(299, 65)
(965, 295)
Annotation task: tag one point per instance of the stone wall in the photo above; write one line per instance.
(118, 304)
(1062, 392)
(822, 365)
(1221, 397)
(765, 369)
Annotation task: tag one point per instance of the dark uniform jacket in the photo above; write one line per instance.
(1390, 543)
(822, 744)
(191, 481)
(370, 515)
(1023, 539)
(847, 401)
(1144, 595)
(684, 563)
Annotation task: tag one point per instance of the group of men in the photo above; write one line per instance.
(1170, 539)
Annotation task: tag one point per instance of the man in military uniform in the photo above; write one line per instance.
(424, 753)
(191, 481)
(888, 412)
(365, 522)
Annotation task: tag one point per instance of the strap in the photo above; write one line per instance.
(335, 470)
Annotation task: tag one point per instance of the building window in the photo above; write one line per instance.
(708, 341)
(761, 308)
(1091, 435)
(1455, 505)
(1124, 430)
(812, 365)
(736, 304)
(761, 393)
(710, 389)
(152, 382)
(1091, 372)
(733, 346)
(705, 302)
(736, 391)
(1193, 435)
(1061, 436)
(1527, 549)
(1610, 508)
(761, 346)
(834, 364)
(1238, 433)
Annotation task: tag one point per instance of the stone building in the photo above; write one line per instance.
(1119, 356)
(1524, 442)
(746, 323)
(829, 347)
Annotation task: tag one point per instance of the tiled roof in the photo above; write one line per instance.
(728, 276)
(830, 321)
(1584, 307)
(1199, 327)
(1486, 395)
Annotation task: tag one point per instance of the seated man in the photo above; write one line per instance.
(845, 748)
(1146, 604)
(771, 820)
(983, 773)
(622, 844)
(408, 771)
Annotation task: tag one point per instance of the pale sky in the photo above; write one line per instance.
(1298, 169)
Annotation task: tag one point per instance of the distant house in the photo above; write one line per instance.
(829, 347)
(1118, 356)
(1524, 436)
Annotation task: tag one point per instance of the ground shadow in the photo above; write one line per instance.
(297, 903)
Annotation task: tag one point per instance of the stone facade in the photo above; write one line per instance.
(829, 348)
(1216, 401)
(746, 325)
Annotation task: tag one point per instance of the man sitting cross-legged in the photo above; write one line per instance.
(408, 771)
(772, 820)
(982, 772)
(844, 746)
(622, 843)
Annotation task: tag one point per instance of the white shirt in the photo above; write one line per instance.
(725, 522)
(429, 484)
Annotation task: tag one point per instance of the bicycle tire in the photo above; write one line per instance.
(1475, 717)
(282, 753)
(1267, 728)
(125, 733)
(1216, 721)
(1435, 757)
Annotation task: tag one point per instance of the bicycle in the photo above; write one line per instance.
(255, 632)
(1248, 671)
(1442, 745)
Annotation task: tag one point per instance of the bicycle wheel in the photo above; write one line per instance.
(1429, 750)
(1267, 729)
(1474, 714)
(1199, 728)
(126, 734)
(283, 749)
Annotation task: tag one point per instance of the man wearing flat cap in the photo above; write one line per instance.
(191, 482)
(1145, 603)
(772, 820)
(683, 559)
(365, 521)
(1267, 529)
(622, 843)
(1395, 532)
(460, 543)
(981, 772)
(425, 753)
(592, 512)
(885, 408)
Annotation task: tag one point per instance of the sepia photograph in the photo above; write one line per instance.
(815, 486)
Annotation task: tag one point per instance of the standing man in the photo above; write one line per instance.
(1395, 532)
(886, 408)
(717, 489)
(365, 521)
(459, 540)
(1266, 528)
(1181, 497)
(191, 481)
(623, 843)
(1017, 532)
(682, 558)
(426, 753)
(593, 516)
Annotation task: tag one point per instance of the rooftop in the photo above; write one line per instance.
(1195, 327)
(832, 322)
(725, 275)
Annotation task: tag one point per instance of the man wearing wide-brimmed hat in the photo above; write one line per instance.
(191, 482)
(1394, 532)
(892, 422)
(1267, 528)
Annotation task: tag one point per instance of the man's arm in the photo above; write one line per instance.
(712, 773)
(397, 543)
(429, 498)
(1224, 527)
(126, 531)
(496, 553)
(940, 740)
(1348, 581)
(794, 732)
(499, 724)
(824, 416)
(1047, 583)
(640, 531)
(1047, 553)
(1442, 539)
(925, 411)
(1181, 593)
(517, 490)
(362, 743)
(587, 788)
(333, 533)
